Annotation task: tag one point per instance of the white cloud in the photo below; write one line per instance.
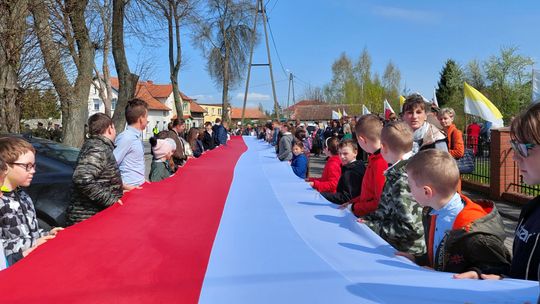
(201, 98)
(419, 16)
(252, 97)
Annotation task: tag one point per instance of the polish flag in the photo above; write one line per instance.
(387, 110)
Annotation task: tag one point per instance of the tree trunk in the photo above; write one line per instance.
(225, 93)
(9, 93)
(12, 30)
(73, 99)
(174, 64)
(107, 101)
(73, 130)
(127, 80)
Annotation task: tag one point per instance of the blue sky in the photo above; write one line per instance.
(418, 36)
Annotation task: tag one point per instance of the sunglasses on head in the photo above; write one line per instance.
(522, 149)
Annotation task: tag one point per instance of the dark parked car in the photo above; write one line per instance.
(51, 187)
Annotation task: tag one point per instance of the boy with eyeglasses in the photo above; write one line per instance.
(525, 134)
(19, 229)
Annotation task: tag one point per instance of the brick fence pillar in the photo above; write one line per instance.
(502, 167)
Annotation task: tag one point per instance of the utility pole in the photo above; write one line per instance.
(260, 10)
(291, 86)
(289, 92)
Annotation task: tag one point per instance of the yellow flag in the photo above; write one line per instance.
(401, 101)
(478, 105)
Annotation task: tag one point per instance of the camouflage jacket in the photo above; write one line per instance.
(97, 182)
(398, 219)
(18, 222)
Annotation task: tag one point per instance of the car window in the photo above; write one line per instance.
(57, 151)
(44, 167)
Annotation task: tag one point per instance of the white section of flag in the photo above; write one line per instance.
(535, 86)
(435, 102)
(387, 106)
(365, 110)
(478, 105)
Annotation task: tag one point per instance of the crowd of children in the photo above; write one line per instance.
(410, 192)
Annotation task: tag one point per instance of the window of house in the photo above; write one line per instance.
(219, 111)
(96, 104)
(113, 103)
(185, 107)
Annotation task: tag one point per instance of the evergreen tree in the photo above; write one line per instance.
(36, 104)
(450, 85)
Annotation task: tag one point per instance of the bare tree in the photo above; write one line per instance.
(225, 37)
(391, 80)
(103, 11)
(175, 13)
(314, 93)
(12, 33)
(73, 94)
(127, 80)
(31, 71)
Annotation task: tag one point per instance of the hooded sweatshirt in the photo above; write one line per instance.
(475, 242)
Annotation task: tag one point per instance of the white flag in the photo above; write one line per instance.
(335, 115)
(478, 105)
(535, 86)
(344, 113)
(365, 110)
(435, 102)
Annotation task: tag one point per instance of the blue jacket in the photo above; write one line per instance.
(275, 137)
(299, 165)
(220, 135)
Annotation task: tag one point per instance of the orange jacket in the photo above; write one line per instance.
(456, 146)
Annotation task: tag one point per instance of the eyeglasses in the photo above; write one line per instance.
(28, 167)
(522, 149)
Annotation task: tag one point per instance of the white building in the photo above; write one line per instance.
(160, 100)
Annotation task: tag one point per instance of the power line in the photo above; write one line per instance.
(302, 81)
(267, 84)
(275, 3)
(275, 48)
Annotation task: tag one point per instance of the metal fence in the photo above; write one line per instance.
(481, 173)
(517, 185)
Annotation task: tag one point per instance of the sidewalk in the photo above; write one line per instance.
(509, 212)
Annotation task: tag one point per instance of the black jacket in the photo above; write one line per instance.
(476, 241)
(208, 141)
(526, 248)
(97, 182)
(349, 184)
(197, 148)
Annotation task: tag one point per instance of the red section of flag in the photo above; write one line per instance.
(153, 249)
(387, 113)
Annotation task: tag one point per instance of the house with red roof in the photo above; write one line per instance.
(314, 110)
(252, 115)
(160, 100)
